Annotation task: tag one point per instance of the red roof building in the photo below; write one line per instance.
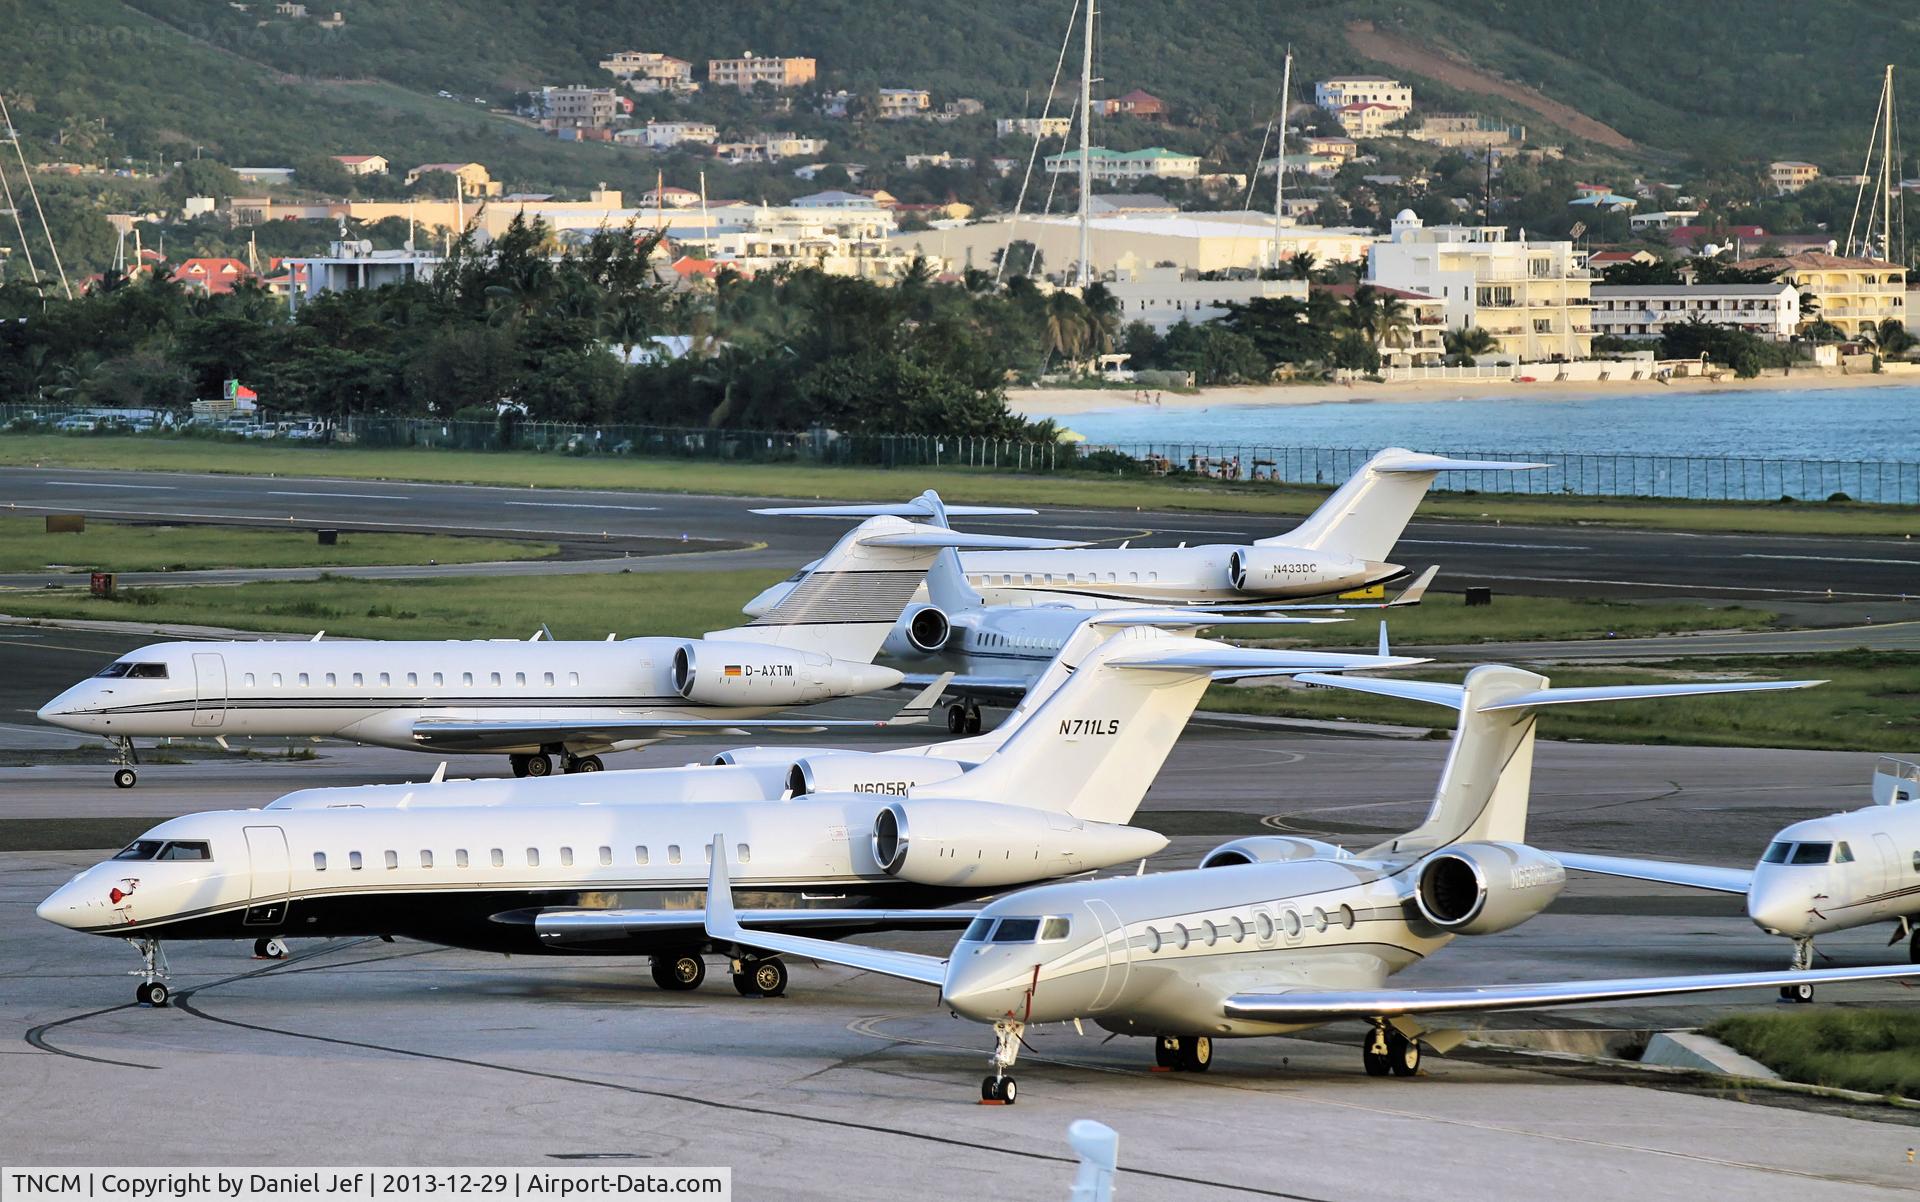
(212, 276)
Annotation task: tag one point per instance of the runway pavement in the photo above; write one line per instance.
(1568, 561)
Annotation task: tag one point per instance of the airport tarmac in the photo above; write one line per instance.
(856, 1087)
(1556, 560)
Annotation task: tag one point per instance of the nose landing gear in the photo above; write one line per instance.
(124, 759)
(270, 949)
(1000, 1089)
(1183, 1053)
(152, 990)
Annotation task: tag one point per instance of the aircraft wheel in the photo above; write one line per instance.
(999, 1089)
(1378, 1064)
(1166, 1052)
(679, 973)
(539, 765)
(587, 763)
(519, 763)
(1196, 1054)
(1913, 947)
(124, 778)
(152, 993)
(973, 719)
(269, 949)
(956, 719)
(1403, 1055)
(1796, 993)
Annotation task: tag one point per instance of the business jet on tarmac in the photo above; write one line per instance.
(772, 772)
(535, 699)
(1275, 934)
(1341, 546)
(1000, 649)
(624, 877)
(1823, 874)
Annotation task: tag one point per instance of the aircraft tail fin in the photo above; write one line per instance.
(846, 605)
(1487, 782)
(1095, 743)
(1365, 517)
(947, 587)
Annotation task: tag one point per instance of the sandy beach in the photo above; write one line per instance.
(1070, 402)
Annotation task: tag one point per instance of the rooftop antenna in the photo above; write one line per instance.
(1086, 154)
(1280, 156)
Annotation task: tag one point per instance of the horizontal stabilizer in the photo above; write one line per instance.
(1665, 872)
(1255, 659)
(1453, 696)
(1414, 461)
(939, 536)
(723, 923)
(1309, 1006)
(927, 505)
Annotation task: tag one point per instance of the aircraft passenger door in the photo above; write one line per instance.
(1891, 869)
(271, 876)
(1119, 963)
(209, 689)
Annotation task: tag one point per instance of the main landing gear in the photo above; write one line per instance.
(270, 949)
(1000, 1089)
(1802, 961)
(124, 759)
(1388, 1051)
(541, 764)
(1183, 1053)
(759, 978)
(152, 990)
(679, 973)
(963, 717)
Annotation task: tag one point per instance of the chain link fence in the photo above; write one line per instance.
(1693, 477)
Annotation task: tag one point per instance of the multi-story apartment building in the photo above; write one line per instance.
(1366, 119)
(945, 158)
(1163, 297)
(750, 69)
(664, 135)
(1855, 295)
(1789, 175)
(1342, 90)
(1454, 130)
(1115, 166)
(1770, 311)
(650, 71)
(898, 104)
(1420, 341)
(769, 148)
(1031, 127)
(578, 107)
(1533, 297)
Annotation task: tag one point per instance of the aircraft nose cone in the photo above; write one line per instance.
(1778, 907)
(60, 907)
(981, 991)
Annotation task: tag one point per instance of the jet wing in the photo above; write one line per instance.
(1310, 1006)
(566, 927)
(724, 922)
(1692, 876)
(482, 735)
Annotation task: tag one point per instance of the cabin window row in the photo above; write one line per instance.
(1263, 927)
(496, 856)
(1014, 579)
(387, 680)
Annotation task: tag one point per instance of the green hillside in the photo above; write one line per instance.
(159, 78)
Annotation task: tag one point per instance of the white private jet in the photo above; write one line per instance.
(1824, 874)
(621, 875)
(1275, 934)
(534, 699)
(1000, 649)
(1343, 545)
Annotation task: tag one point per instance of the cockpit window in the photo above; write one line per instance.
(1776, 853)
(1811, 853)
(1842, 854)
(137, 671)
(141, 849)
(977, 930)
(1055, 928)
(1016, 930)
(186, 851)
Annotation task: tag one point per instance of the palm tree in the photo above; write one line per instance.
(1892, 337)
(1466, 343)
(1300, 263)
(1103, 315)
(1068, 328)
(1393, 322)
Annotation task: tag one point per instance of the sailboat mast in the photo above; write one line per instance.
(1890, 181)
(1280, 156)
(1086, 153)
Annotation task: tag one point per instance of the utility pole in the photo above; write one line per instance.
(1086, 154)
(1280, 156)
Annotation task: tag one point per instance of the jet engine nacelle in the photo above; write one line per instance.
(928, 629)
(1272, 849)
(753, 674)
(743, 757)
(858, 772)
(1289, 571)
(983, 844)
(1481, 888)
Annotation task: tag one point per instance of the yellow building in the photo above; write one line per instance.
(750, 69)
(1788, 175)
(1854, 294)
(475, 179)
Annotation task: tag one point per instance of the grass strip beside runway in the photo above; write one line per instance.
(522, 469)
(1869, 703)
(1875, 1051)
(25, 546)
